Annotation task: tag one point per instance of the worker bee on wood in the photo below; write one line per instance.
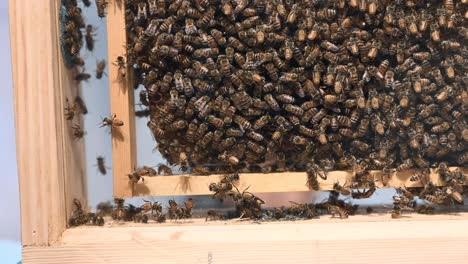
(221, 190)
(120, 62)
(78, 133)
(145, 171)
(135, 177)
(113, 122)
(119, 212)
(312, 172)
(336, 210)
(70, 110)
(173, 210)
(212, 215)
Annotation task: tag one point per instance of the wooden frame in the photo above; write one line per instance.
(122, 102)
(50, 167)
(272, 182)
(50, 161)
(423, 240)
(124, 152)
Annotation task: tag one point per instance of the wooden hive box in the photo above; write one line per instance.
(51, 170)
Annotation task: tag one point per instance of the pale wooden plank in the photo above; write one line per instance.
(122, 102)
(73, 149)
(335, 241)
(271, 182)
(62, 168)
(38, 119)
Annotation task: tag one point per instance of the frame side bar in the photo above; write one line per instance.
(122, 102)
(38, 120)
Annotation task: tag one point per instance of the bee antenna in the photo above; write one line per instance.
(236, 188)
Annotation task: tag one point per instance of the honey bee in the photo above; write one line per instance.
(221, 190)
(336, 210)
(101, 6)
(120, 62)
(294, 109)
(435, 32)
(272, 102)
(425, 209)
(342, 189)
(201, 171)
(135, 177)
(183, 161)
(164, 170)
(101, 165)
(100, 66)
(78, 133)
(89, 37)
(83, 76)
(382, 69)
(365, 194)
(70, 110)
(112, 122)
(449, 6)
(212, 215)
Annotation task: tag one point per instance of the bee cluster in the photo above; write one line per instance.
(275, 85)
(79, 217)
(333, 206)
(121, 211)
(71, 23)
(249, 205)
(76, 35)
(451, 194)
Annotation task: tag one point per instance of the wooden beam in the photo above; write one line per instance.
(271, 182)
(313, 241)
(73, 154)
(121, 100)
(49, 162)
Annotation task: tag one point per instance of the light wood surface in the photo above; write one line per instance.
(74, 167)
(271, 182)
(47, 158)
(327, 241)
(122, 102)
(38, 145)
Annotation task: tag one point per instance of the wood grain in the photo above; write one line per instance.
(271, 182)
(122, 102)
(334, 241)
(74, 171)
(50, 161)
(39, 146)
